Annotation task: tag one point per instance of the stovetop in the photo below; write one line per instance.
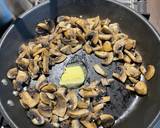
(138, 5)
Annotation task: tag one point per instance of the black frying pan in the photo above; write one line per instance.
(130, 111)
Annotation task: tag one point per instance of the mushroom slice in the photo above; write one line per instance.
(129, 44)
(141, 88)
(130, 88)
(114, 27)
(131, 70)
(98, 107)
(105, 99)
(98, 69)
(54, 121)
(83, 104)
(35, 117)
(133, 80)
(12, 73)
(88, 124)
(88, 93)
(93, 36)
(107, 120)
(42, 79)
(150, 72)
(121, 75)
(75, 123)
(106, 82)
(45, 62)
(106, 30)
(61, 119)
(78, 113)
(50, 87)
(44, 110)
(101, 54)
(118, 46)
(61, 105)
(76, 48)
(108, 60)
(142, 69)
(28, 100)
(107, 47)
(23, 104)
(66, 49)
(87, 48)
(44, 98)
(127, 59)
(22, 62)
(72, 98)
(105, 36)
(22, 76)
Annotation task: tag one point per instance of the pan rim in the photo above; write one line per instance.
(2, 110)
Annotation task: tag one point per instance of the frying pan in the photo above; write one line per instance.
(129, 110)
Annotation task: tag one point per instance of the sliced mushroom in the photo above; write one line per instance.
(107, 47)
(130, 88)
(72, 98)
(28, 100)
(25, 106)
(133, 80)
(83, 104)
(131, 70)
(88, 124)
(107, 120)
(106, 82)
(106, 30)
(105, 37)
(108, 60)
(142, 69)
(150, 72)
(78, 113)
(98, 69)
(76, 48)
(66, 49)
(98, 107)
(118, 46)
(61, 105)
(50, 87)
(22, 76)
(59, 59)
(127, 59)
(22, 62)
(129, 44)
(101, 54)
(121, 75)
(141, 88)
(54, 121)
(16, 85)
(45, 62)
(44, 98)
(12, 73)
(87, 48)
(42, 79)
(88, 93)
(75, 123)
(105, 99)
(35, 117)
(114, 27)
(44, 110)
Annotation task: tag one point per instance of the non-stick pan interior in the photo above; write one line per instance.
(130, 111)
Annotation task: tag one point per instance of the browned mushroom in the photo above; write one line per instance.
(75, 123)
(108, 60)
(150, 72)
(129, 44)
(121, 75)
(142, 69)
(106, 82)
(45, 62)
(98, 69)
(50, 87)
(133, 80)
(72, 98)
(61, 105)
(83, 104)
(141, 88)
(130, 88)
(98, 107)
(105, 37)
(21, 76)
(66, 49)
(87, 48)
(12, 73)
(88, 124)
(44, 110)
(76, 48)
(101, 54)
(107, 120)
(114, 27)
(28, 100)
(105, 99)
(35, 117)
(78, 113)
(44, 98)
(107, 47)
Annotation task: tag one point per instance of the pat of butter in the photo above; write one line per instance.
(73, 76)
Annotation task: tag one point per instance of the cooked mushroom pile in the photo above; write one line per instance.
(75, 103)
